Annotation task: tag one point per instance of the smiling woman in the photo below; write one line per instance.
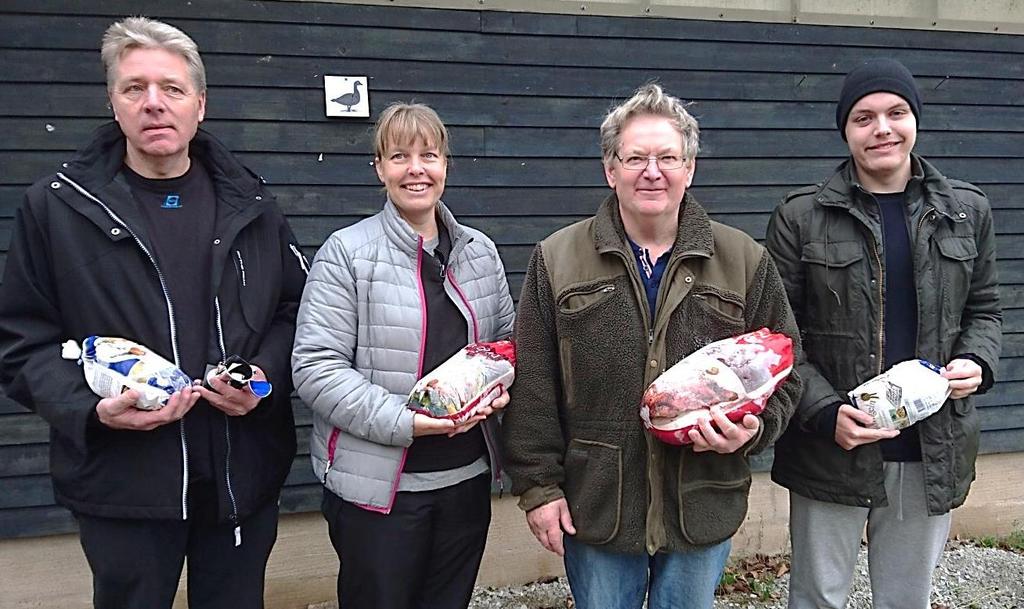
(388, 299)
(412, 163)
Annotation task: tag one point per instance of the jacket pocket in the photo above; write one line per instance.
(711, 512)
(713, 492)
(836, 281)
(725, 308)
(253, 292)
(579, 299)
(593, 489)
(955, 266)
(966, 431)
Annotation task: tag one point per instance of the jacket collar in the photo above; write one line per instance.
(926, 184)
(99, 163)
(693, 234)
(406, 239)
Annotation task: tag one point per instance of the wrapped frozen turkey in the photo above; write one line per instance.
(737, 374)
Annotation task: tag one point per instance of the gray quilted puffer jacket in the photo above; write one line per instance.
(359, 338)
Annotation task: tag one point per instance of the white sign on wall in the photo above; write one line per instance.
(346, 96)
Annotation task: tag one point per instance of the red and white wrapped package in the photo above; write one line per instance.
(737, 374)
(466, 382)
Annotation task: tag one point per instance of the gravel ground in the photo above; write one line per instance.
(968, 577)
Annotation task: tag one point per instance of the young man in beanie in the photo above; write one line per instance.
(884, 261)
(156, 233)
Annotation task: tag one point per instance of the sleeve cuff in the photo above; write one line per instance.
(537, 496)
(824, 422)
(987, 378)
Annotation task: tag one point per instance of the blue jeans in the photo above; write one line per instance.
(606, 580)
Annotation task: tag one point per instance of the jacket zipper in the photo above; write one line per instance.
(645, 312)
(303, 264)
(227, 422)
(489, 438)
(419, 369)
(920, 224)
(881, 306)
(170, 317)
(241, 267)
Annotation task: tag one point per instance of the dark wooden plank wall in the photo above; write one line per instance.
(523, 95)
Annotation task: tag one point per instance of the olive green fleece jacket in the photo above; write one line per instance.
(587, 350)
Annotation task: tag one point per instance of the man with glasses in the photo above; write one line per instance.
(607, 305)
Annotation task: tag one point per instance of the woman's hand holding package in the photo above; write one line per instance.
(496, 404)
(229, 400)
(728, 438)
(429, 426)
(120, 412)
(853, 428)
(964, 377)
(422, 425)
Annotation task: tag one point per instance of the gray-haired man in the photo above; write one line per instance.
(154, 232)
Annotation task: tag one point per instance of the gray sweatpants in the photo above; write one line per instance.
(904, 546)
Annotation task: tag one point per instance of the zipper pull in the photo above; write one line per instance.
(443, 269)
(238, 535)
(650, 338)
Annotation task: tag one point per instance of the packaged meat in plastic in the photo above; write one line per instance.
(737, 374)
(465, 382)
(902, 395)
(115, 365)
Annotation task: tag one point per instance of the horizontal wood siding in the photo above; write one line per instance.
(523, 95)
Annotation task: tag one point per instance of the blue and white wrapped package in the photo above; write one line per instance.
(907, 393)
(114, 365)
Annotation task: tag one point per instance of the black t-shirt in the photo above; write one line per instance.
(178, 216)
(445, 336)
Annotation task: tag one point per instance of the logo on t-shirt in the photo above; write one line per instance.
(172, 202)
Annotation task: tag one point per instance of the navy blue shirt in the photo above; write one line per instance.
(900, 309)
(650, 272)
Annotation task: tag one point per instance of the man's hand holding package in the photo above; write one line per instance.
(729, 436)
(232, 402)
(547, 523)
(964, 377)
(120, 412)
(853, 428)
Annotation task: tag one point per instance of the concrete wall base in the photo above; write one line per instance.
(52, 572)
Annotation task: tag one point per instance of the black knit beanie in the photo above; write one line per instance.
(873, 76)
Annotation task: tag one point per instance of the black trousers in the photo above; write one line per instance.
(425, 554)
(136, 564)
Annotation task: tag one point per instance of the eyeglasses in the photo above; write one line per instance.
(665, 162)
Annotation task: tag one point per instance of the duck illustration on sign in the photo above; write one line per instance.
(346, 96)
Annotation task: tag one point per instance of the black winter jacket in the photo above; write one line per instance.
(825, 240)
(79, 264)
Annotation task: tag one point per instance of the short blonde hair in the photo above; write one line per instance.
(403, 123)
(143, 33)
(649, 100)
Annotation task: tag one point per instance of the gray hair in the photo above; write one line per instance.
(649, 100)
(142, 33)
